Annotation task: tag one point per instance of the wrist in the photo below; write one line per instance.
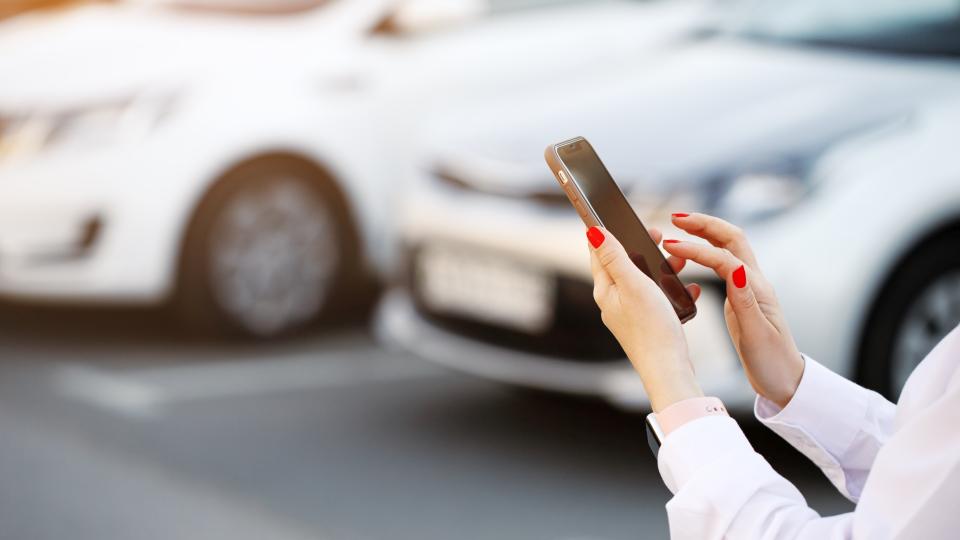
(668, 386)
(783, 392)
(667, 374)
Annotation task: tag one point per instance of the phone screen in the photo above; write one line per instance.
(614, 212)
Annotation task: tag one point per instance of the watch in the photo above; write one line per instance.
(655, 435)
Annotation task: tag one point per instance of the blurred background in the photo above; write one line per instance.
(296, 268)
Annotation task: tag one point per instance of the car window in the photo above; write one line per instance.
(907, 26)
(506, 6)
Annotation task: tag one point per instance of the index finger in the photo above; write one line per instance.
(721, 260)
(719, 233)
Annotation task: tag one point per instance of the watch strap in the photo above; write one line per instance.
(681, 412)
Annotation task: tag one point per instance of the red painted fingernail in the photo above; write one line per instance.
(595, 237)
(671, 241)
(680, 214)
(740, 277)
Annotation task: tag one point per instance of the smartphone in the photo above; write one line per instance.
(600, 202)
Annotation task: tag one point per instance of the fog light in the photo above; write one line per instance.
(89, 233)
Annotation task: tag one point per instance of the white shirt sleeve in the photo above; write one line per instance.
(839, 425)
(724, 489)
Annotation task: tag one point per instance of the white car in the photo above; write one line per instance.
(822, 136)
(246, 164)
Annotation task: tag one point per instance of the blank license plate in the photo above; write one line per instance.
(485, 287)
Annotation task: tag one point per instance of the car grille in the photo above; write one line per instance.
(549, 195)
(576, 334)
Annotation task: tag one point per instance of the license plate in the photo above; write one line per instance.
(485, 287)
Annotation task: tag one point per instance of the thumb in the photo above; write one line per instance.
(744, 302)
(611, 255)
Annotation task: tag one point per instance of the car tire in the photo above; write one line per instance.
(919, 305)
(268, 251)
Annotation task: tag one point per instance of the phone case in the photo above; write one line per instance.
(573, 193)
(570, 188)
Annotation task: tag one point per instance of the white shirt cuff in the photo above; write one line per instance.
(697, 445)
(827, 410)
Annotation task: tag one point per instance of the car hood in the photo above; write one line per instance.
(101, 51)
(701, 111)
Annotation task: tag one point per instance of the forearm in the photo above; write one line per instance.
(667, 374)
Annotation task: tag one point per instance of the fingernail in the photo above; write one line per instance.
(740, 277)
(680, 214)
(671, 241)
(595, 237)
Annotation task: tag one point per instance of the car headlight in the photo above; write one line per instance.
(110, 122)
(766, 190)
(741, 198)
(754, 196)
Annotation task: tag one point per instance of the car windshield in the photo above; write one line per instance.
(244, 6)
(925, 27)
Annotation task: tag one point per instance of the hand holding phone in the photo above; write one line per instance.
(600, 203)
(641, 313)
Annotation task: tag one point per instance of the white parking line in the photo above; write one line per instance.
(106, 390)
(145, 392)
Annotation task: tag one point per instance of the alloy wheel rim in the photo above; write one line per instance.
(273, 255)
(931, 316)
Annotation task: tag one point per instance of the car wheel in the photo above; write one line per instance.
(920, 305)
(264, 254)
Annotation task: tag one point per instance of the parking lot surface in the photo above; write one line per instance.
(112, 425)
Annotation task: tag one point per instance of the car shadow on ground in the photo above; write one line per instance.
(153, 326)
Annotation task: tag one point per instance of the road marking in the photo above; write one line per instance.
(145, 392)
(103, 389)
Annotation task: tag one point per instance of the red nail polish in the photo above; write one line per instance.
(671, 241)
(595, 237)
(740, 277)
(680, 214)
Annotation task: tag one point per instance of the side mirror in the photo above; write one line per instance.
(415, 16)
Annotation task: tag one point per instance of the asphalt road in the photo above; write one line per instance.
(112, 425)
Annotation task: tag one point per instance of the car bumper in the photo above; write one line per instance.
(97, 227)
(398, 323)
(50, 244)
(530, 235)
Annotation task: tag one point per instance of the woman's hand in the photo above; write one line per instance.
(641, 318)
(760, 333)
